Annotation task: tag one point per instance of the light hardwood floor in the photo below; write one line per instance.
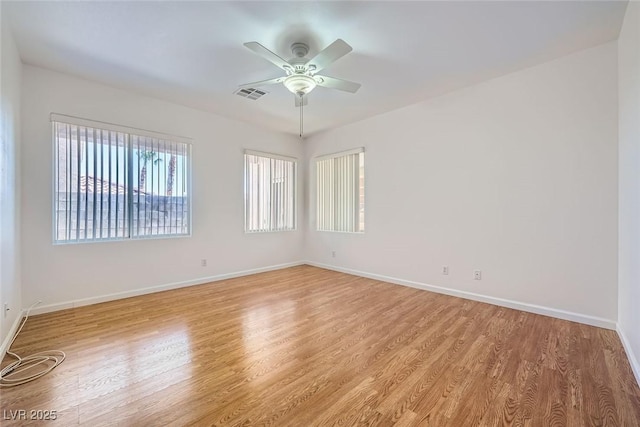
(310, 347)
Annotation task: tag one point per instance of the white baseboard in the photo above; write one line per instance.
(633, 360)
(531, 308)
(9, 337)
(135, 292)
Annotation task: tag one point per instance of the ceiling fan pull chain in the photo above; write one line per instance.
(301, 116)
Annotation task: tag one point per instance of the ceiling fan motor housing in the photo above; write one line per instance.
(300, 82)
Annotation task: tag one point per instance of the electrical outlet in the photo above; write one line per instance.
(477, 275)
(6, 309)
(203, 262)
(333, 254)
(445, 270)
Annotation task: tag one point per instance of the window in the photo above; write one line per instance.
(340, 191)
(270, 192)
(115, 183)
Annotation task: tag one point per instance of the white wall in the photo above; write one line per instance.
(63, 273)
(629, 159)
(10, 289)
(516, 176)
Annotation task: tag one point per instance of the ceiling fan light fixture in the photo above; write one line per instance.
(300, 84)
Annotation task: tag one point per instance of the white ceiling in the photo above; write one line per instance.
(192, 53)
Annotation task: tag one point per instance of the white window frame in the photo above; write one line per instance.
(274, 215)
(130, 137)
(340, 187)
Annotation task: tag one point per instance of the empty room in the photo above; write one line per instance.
(318, 213)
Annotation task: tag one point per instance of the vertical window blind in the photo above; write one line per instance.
(270, 187)
(340, 191)
(114, 183)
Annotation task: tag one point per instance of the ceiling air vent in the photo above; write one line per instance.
(250, 93)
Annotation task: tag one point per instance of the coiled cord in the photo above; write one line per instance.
(49, 359)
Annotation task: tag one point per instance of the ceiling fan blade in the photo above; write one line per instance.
(333, 83)
(331, 53)
(262, 83)
(304, 101)
(268, 55)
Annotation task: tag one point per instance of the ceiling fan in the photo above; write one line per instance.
(301, 73)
